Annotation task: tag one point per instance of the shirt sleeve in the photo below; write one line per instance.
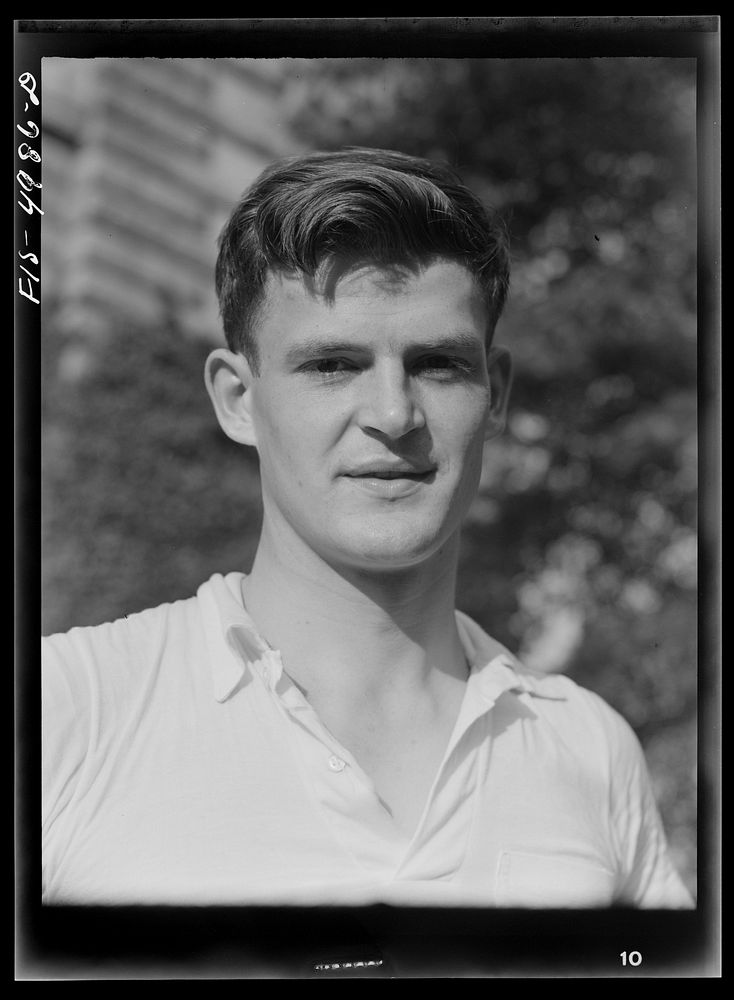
(66, 720)
(648, 878)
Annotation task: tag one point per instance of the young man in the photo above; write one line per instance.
(328, 728)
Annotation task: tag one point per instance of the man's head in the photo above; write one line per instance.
(360, 291)
(320, 214)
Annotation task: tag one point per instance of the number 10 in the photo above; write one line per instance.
(631, 957)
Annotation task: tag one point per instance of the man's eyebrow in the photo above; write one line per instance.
(450, 342)
(320, 347)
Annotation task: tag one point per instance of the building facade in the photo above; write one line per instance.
(143, 159)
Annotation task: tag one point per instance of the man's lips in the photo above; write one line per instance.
(382, 471)
(390, 482)
(388, 475)
(392, 476)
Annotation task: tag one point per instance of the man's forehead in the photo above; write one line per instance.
(350, 276)
(399, 309)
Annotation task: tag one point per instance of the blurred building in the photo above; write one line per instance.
(142, 161)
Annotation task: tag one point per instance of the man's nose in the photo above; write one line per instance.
(390, 406)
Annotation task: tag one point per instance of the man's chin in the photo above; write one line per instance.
(388, 554)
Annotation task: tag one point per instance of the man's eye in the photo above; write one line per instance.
(329, 367)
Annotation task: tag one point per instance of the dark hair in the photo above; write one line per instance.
(368, 205)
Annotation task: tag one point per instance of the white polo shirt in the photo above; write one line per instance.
(183, 766)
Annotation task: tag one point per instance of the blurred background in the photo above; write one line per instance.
(580, 551)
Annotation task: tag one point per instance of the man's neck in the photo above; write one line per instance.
(366, 636)
(377, 655)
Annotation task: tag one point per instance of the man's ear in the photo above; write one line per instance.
(499, 365)
(228, 378)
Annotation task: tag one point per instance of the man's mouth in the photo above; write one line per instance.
(391, 474)
(393, 482)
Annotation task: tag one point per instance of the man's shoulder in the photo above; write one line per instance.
(577, 713)
(125, 637)
(580, 716)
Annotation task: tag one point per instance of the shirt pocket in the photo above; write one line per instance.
(526, 879)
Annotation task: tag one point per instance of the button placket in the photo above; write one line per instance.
(294, 703)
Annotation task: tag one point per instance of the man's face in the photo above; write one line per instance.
(369, 412)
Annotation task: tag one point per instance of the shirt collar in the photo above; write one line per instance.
(233, 642)
(236, 649)
(493, 669)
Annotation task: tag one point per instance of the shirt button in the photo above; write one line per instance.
(336, 763)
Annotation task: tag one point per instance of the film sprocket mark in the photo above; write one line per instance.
(357, 964)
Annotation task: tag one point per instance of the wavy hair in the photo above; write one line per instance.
(325, 212)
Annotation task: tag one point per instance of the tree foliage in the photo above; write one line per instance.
(143, 496)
